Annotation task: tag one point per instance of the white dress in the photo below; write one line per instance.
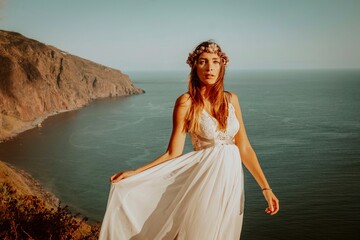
(196, 196)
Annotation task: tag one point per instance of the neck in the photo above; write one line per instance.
(204, 90)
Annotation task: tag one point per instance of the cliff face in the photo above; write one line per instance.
(38, 80)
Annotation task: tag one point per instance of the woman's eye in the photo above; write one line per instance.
(217, 62)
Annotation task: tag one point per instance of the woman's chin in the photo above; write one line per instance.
(208, 82)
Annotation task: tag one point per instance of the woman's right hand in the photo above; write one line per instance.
(122, 175)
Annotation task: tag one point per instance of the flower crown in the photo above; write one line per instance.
(211, 48)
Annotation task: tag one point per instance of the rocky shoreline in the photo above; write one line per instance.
(30, 125)
(38, 80)
(25, 184)
(28, 211)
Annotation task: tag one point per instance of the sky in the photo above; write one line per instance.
(159, 34)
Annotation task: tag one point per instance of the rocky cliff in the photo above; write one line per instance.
(38, 80)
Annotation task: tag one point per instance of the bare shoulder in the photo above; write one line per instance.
(184, 100)
(233, 98)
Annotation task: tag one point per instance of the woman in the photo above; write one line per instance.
(199, 195)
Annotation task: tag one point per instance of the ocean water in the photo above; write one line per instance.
(303, 125)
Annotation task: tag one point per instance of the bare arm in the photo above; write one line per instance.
(249, 158)
(176, 142)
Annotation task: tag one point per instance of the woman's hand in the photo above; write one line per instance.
(273, 202)
(122, 175)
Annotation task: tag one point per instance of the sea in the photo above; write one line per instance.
(304, 126)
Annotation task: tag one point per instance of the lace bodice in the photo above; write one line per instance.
(210, 135)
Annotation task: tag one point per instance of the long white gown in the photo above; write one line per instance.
(196, 196)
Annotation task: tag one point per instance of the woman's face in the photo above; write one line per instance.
(208, 68)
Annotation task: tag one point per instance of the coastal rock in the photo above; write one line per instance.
(38, 80)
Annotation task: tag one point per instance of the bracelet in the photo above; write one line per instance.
(266, 189)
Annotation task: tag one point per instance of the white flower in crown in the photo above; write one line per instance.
(212, 48)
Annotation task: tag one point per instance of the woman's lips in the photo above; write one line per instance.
(209, 75)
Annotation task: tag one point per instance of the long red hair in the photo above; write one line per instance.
(216, 97)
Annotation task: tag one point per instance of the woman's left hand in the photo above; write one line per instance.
(273, 202)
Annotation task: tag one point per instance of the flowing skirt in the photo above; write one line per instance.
(196, 196)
